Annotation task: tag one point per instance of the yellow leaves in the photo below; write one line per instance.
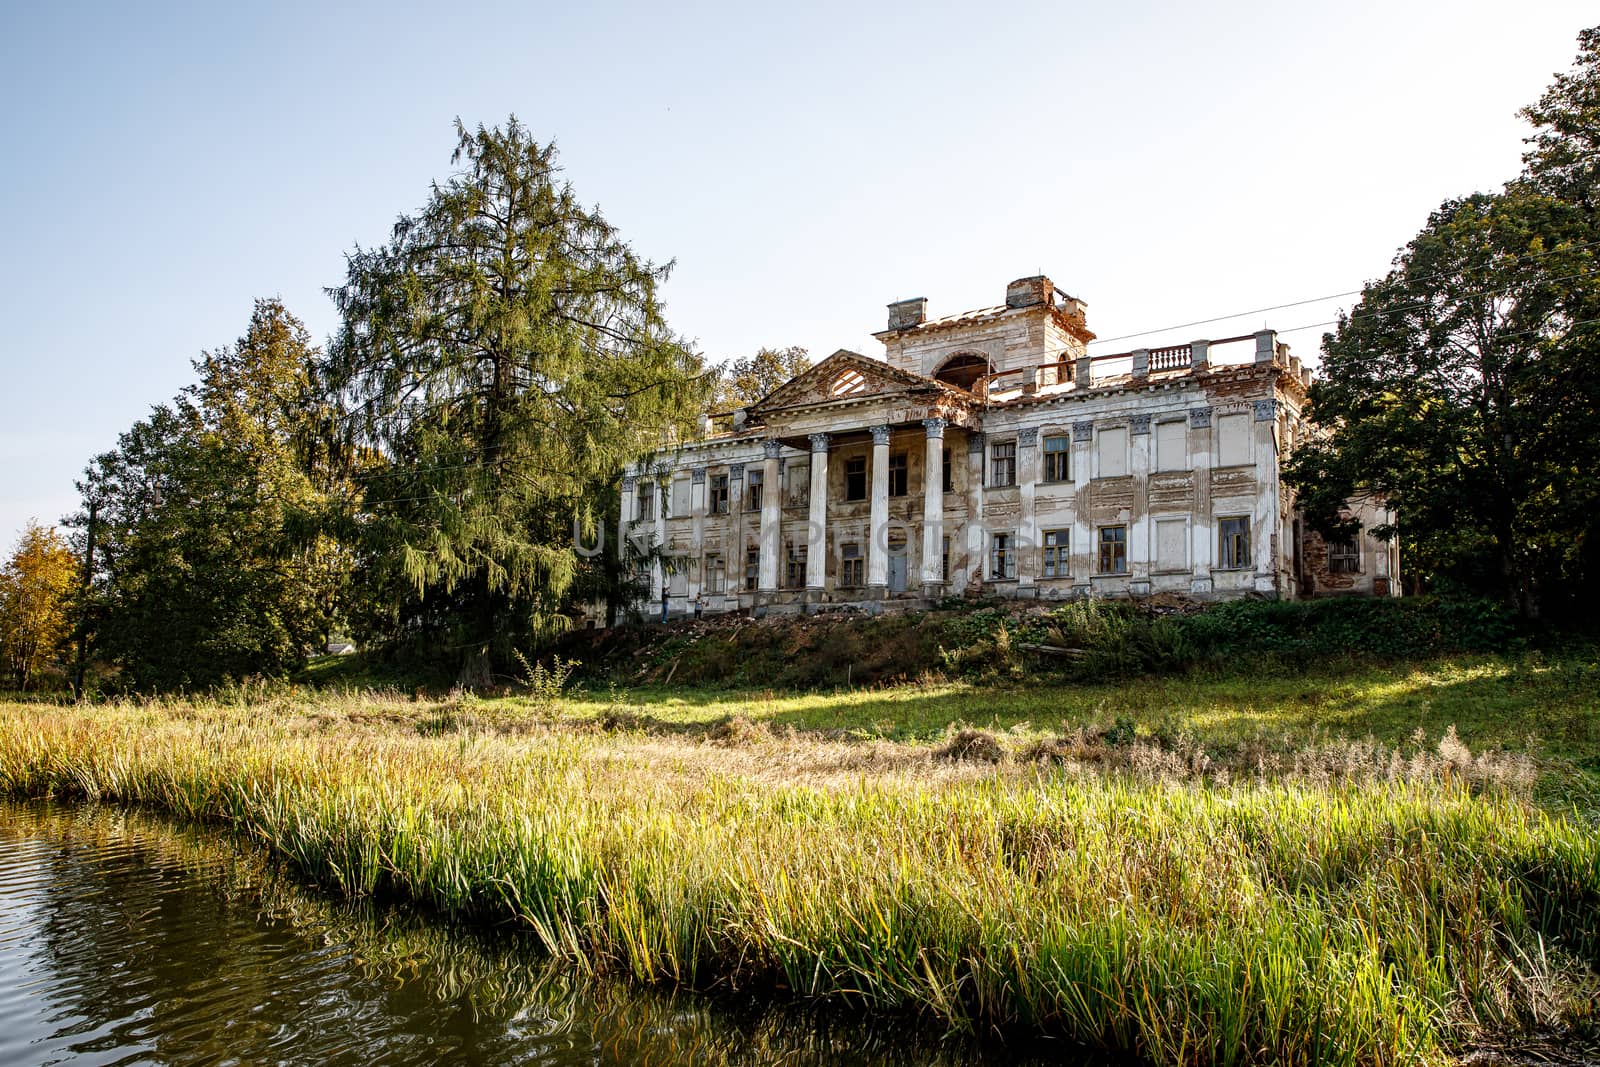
(35, 590)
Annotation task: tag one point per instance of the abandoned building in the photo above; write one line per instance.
(989, 453)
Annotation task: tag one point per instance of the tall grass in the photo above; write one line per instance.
(1378, 922)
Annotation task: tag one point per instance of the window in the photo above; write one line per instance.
(1172, 544)
(851, 565)
(1057, 553)
(1233, 440)
(719, 494)
(1233, 549)
(944, 560)
(752, 569)
(897, 474)
(679, 504)
(1344, 556)
(678, 579)
(647, 500)
(949, 485)
(797, 489)
(1002, 557)
(1112, 446)
(716, 574)
(1172, 446)
(794, 576)
(1057, 459)
(1003, 463)
(753, 477)
(855, 478)
(1113, 550)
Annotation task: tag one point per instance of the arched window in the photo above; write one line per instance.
(963, 371)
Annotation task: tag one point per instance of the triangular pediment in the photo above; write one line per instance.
(843, 377)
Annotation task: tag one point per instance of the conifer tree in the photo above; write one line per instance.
(505, 354)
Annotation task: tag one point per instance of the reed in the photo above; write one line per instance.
(1375, 919)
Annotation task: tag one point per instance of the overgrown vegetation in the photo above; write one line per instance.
(1343, 903)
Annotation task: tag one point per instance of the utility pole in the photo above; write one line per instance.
(83, 602)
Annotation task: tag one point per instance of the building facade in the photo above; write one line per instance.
(989, 453)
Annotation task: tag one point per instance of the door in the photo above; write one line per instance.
(897, 564)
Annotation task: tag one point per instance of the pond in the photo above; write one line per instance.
(127, 940)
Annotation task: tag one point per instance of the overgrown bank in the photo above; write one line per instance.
(1078, 641)
(1386, 917)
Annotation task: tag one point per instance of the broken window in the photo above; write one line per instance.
(1002, 557)
(794, 576)
(1113, 550)
(1057, 553)
(949, 485)
(1172, 446)
(1058, 459)
(752, 569)
(753, 479)
(719, 494)
(855, 478)
(1233, 440)
(1233, 548)
(851, 565)
(1003, 463)
(897, 474)
(1344, 556)
(647, 501)
(716, 574)
(1112, 446)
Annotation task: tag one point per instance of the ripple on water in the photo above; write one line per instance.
(125, 940)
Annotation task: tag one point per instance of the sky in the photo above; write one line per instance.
(801, 165)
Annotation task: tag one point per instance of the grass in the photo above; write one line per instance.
(1215, 878)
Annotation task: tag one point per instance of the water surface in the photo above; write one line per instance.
(126, 940)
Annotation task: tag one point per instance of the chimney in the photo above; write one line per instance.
(1028, 292)
(904, 314)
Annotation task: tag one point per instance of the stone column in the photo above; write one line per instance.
(1265, 530)
(975, 529)
(771, 518)
(1200, 355)
(1139, 541)
(1083, 547)
(933, 510)
(1203, 530)
(625, 517)
(817, 526)
(1027, 546)
(658, 574)
(697, 533)
(733, 530)
(1141, 363)
(878, 529)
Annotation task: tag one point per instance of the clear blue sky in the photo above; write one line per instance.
(166, 164)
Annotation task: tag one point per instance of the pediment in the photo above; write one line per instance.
(843, 377)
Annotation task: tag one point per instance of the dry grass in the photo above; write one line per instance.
(1343, 902)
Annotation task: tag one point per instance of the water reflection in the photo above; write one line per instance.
(125, 940)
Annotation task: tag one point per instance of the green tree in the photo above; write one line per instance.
(505, 354)
(744, 381)
(1563, 158)
(208, 562)
(1444, 391)
(36, 586)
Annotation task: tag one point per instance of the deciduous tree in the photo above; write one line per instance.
(746, 380)
(36, 587)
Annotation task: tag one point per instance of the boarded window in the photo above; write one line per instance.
(680, 498)
(1233, 548)
(1233, 440)
(798, 489)
(1113, 452)
(678, 584)
(1344, 556)
(1172, 544)
(1172, 446)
